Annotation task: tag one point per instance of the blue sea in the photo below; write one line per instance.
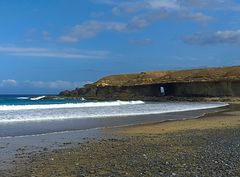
(26, 108)
(22, 115)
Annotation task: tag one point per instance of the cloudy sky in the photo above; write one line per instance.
(51, 45)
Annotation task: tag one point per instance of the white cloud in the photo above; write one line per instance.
(229, 35)
(143, 13)
(126, 7)
(168, 4)
(8, 83)
(52, 53)
(90, 29)
(133, 5)
(196, 16)
(172, 4)
(210, 4)
(36, 87)
(142, 21)
(140, 14)
(59, 84)
(218, 37)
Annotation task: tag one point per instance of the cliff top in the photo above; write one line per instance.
(178, 76)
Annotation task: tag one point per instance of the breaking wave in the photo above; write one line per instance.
(37, 98)
(22, 98)
(67, 105)
(88, 110)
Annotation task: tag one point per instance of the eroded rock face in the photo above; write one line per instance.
(89, 92)
(211, 82)
(204, 89)
(198, 89)
(128, 92)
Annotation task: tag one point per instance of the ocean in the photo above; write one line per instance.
(24, 114)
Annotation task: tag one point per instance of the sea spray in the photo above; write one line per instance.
(37, 98)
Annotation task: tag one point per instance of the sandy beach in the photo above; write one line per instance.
(119, 88)
(207, 146)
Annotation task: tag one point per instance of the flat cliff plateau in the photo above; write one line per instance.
(195, 83)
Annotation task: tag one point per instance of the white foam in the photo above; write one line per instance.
(102, 112)
(22, 98)
(37, 98)
(67, 105)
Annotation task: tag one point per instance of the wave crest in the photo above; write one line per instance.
(23, 98)
(67, 105)
(37, 98)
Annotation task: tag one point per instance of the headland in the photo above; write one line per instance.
(209, 84)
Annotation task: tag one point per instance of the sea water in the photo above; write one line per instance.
(25, 108)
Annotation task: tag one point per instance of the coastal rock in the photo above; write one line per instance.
(210, 82)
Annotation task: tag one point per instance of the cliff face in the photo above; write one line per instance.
(213, 82)
(113, 92)
(204, 89)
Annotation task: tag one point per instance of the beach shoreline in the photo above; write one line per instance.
(41, 126)
(28, 163)
(207, 118)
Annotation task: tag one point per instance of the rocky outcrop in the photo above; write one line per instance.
(204, 89)
(211, 82)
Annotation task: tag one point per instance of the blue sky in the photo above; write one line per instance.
(51, 45)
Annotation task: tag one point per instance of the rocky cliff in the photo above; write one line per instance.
(209, 82)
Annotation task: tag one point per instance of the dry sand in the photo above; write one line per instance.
(225, 119)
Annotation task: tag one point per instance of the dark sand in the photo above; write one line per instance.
(208, 146)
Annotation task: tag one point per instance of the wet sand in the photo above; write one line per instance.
(13, 129)
(208, 146)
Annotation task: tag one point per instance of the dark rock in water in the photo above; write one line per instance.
(68, 93)
(210, 82)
